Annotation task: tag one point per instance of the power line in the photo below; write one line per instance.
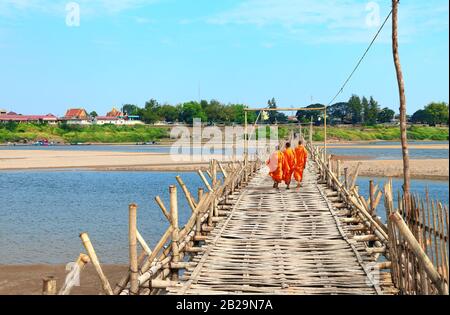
(361, 59)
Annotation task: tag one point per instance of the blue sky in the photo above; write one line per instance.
(128, 51)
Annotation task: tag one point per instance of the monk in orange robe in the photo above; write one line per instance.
(301, 157)
(289, 156)
(277, 165)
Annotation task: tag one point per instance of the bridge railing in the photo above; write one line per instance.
(156, 269)
(414, 242)
(418, 234)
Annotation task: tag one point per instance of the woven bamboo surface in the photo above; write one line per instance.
(279, 242)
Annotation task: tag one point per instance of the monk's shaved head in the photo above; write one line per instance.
(288, 144)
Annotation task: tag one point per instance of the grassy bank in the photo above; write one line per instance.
(383, 133)
(130, 134)
(87, 134)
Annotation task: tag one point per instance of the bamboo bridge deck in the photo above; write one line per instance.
(280, 242)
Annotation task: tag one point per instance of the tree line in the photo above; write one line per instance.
(356, 111)
(433, 114)
(208, 111)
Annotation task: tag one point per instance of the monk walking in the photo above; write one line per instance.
(301, 157)
(277, 165)
(289, 156)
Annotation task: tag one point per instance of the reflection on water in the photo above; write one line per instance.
(42, 213)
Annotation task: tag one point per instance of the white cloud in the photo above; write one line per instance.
(89, 7)
(333, 20)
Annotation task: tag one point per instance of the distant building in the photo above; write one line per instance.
(292, 119)
(3, 111)
(77, 116)
(115, 113)
(11, 116)
(116, 117)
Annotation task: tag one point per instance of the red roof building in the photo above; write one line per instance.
(76, 114)
(28, 118)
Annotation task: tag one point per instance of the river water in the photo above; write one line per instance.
(43, 212)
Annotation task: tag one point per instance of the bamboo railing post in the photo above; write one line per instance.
(163, 208)
(187, 194)
(372, 198)
(49, 285)
(93, 256)
(346, 178)
(200, 194)
(132, 237)
(175, 232)
(422, 257)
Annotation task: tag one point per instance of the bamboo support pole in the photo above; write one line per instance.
(205, 181)
(81, 263)
(49, 285)
(132, 237)
(143, 243)
(346, 178)
(163, 208)
(187, 194)
(200, 195)
(355, 176)
(222, 169)
(372, 197)
(425, 262)
(93, 256)
(175, 232)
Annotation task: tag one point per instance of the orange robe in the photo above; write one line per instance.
(301, 157)
(277, 164)
(289, 156)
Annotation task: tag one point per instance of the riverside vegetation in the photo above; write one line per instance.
(145, 133)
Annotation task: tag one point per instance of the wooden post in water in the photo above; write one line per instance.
(49, 285)
(132, 237)
(311, 132)
(93, 256)
(175, 232)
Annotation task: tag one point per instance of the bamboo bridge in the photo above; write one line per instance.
(245, 237)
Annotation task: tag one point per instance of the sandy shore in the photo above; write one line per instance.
(393, 146)
(93, 160)
(437, 169)
(27, 279)
(132, 161)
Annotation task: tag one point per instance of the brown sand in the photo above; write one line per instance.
(411, 146)
(27, 279)
(437, 169)
(122, 161)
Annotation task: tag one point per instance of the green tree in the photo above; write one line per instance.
(149, 114)
(386, 115)
(272, 104)
(131, 110)
(365, 110)
(93, 114)
(214, 112)
(437, 113)
(355, 108)
(420, 117)
(340, 112)
(169, 113)
(192, 110)
(373, 111)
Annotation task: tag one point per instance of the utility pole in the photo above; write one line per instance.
(401, 87)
